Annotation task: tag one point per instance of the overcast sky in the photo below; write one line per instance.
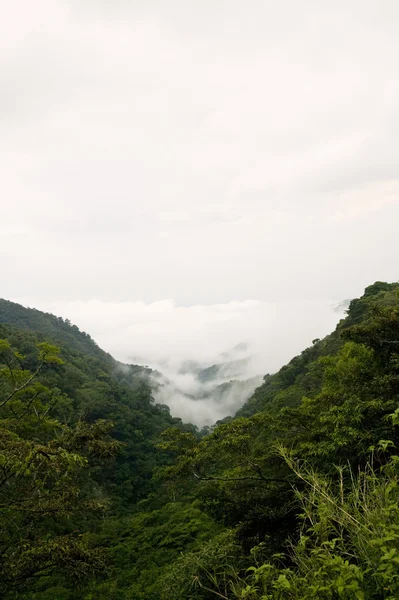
(161, 160)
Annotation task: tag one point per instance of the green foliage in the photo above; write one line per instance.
(351, 394)
(281, 501)
(88, 391)
(50, 327)
(41, 462)
(90, 388)
(142, 546)
(205, 573)
(349, 542)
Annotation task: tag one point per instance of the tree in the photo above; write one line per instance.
(41, 485)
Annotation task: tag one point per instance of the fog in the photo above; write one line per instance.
(251, 338)
(180, 177)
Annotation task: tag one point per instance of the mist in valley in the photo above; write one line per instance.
(206, 359)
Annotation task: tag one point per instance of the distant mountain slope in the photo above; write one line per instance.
(61, 331)
(55, 328)
(222, 371)
(204, 392)
(303, 374)
(65, 334)
(92, 385)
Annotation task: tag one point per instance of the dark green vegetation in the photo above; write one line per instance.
(105, 496)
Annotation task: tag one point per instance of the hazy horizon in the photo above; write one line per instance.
(164, 336)
(180, 177)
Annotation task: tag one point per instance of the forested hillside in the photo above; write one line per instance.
(106, 496)
(62, 332)
(47, 393)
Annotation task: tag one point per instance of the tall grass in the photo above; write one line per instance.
(348, 546)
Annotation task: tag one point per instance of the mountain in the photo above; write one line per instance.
(97, 387)
(304, 477)
(206, 392)
(51, 327)
(202, 382)
(294, 496)
(222, 371)
(303, 374)
(64, 333)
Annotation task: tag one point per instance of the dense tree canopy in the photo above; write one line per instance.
(104, 495)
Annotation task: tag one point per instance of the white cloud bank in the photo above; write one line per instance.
(199, 151)
(202, 151)
(163, 335)
(160, 331)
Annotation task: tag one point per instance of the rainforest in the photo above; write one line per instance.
(104, 495)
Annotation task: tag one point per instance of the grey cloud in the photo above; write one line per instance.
(205, 152)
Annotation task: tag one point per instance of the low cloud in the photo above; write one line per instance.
(252, 337)
(202, 152)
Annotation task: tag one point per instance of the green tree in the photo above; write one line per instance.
(41, 486)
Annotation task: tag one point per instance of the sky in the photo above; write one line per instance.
(176, 176)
